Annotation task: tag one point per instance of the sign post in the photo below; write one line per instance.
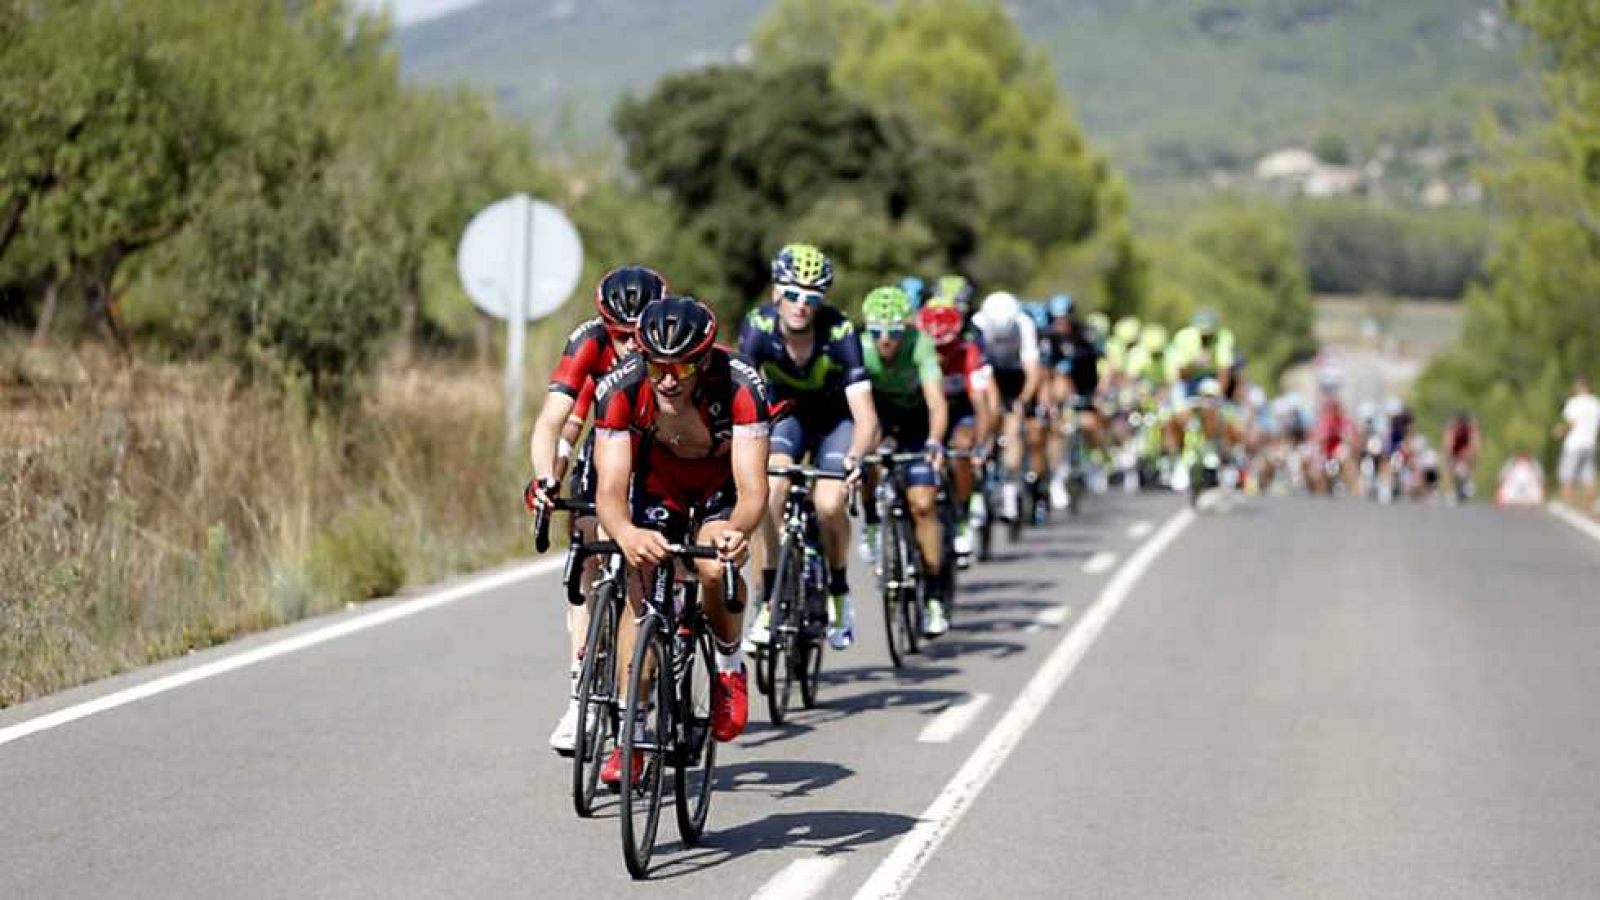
(519, 260)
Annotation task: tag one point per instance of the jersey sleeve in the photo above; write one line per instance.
(1029, 354)
(616, 396)
(751, 410)
(754, 333)
(845, 349)
(579, 359)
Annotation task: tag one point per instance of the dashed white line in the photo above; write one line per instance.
(800, 880)
(954, 720)
(1054, 617)
(1100, 562)
(1139, 529)
(394, 613)
(893, 877)
(1576, 519)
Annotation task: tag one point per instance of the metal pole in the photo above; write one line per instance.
(518, 323)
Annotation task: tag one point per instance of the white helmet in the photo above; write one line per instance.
(999, 307)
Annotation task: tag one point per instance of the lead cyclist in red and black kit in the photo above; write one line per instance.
(592, 350)
(682, 428)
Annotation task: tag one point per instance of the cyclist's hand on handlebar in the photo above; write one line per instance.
(641, 547)
(852, 470)
(935, 453)
(733, 546)
(539, 494)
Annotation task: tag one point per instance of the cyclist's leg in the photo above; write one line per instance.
(961, 439)
(787, 447)
(829, 498)
(730, 703)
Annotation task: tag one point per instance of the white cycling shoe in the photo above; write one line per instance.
(841, 622)
(565, 738)
(759, 634)
(934, 622)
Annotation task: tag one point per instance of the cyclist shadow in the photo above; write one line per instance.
(1028, 585)
(947, 648)
(966, 607)
(779, 779)
(827, 833)
(836, 708)
(884, 675)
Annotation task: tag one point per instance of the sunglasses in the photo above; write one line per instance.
(795, 295)
(678, 370)
(893, 332)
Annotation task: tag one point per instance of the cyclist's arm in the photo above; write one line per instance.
(846, 351)
(547, 433)
(613, 466)
(938, 411)
(749, 458)
(1032, 368)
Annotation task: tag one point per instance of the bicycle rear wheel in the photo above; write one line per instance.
(646, 732)
(696, 766)
(808, 668)
(787, 623)
(597, 709)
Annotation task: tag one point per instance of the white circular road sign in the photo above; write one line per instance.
(519, 244)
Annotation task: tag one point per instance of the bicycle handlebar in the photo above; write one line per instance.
(541, 519)
(730, 572)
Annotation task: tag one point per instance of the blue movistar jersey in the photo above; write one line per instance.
(815, 387)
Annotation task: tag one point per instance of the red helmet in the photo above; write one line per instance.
(941, 323)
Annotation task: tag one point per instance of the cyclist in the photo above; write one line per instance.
(971, 397)
(1202, 350)
(810, 355)
(682, 429)
(1460, 445)
(592, 351)
(1078, 368)
(908, 390)
(1012, 347)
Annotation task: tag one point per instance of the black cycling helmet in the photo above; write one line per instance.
(676, 329)
(624, 292)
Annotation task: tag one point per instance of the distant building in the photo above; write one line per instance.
(1296, 170)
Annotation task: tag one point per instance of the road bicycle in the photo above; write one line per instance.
(900, 562)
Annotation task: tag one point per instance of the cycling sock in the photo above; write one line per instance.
(769, 577)
(838, 582)
(730, 658)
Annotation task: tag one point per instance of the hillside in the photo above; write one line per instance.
(1176, 88)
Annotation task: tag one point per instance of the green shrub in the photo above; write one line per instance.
(358, 557)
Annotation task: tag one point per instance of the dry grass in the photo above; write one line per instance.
(150, 510)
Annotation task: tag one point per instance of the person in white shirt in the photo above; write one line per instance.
(1578, 429)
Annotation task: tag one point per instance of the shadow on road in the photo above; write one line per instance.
(983, 586)
(947, 648)
(780, 779)
(827, 833)
(802, 722)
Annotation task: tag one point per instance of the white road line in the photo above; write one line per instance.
(1055, 616)
(1139, 529)
(1100, 562)
(394, 613)
(954, 720)
(1574, 518)
(800, 880)
(894, 875)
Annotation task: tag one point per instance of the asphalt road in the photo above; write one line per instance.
(1296, 699)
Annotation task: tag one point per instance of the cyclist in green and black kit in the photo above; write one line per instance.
(908, 389)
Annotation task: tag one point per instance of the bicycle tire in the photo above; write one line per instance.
(597, 711)
(810, 669)
(696, 770)
(911, 594)
(785, 604)
(649, 658)
(892, 567)
(1014, 526)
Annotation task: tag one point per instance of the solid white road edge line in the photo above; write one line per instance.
(1139, 529)
(403, 609)
(800, 880)
(1574, 518)
(1100, 562)
(946, 725)
(894, 875)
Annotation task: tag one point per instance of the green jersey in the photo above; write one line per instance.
(897, 385)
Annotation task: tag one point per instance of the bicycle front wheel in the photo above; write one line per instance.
(597, 706)
(646, 735)
(896, 623)
(698, 758)
(787, 625)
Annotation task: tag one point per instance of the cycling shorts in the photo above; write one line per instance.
(909, 435)
(826, 442)
(669, 516)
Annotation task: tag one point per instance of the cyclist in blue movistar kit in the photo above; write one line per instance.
(810, 355)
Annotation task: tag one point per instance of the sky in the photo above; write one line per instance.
(408, 11)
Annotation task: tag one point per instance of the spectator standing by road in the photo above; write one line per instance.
(1579, 426)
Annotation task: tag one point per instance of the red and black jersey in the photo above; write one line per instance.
(964, 367)
(589, 355)
(730, 397)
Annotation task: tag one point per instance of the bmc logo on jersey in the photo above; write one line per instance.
(750, 375)
(605, 384)
(582, 327)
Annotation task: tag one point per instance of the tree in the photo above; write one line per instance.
(745, 174)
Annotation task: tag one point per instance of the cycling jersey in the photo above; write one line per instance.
(1146, 365)
(834, 366)
(731, 400)
(1189, 348)
(897, 385)
(1080, 362)
(1010, 345)
(590, 354)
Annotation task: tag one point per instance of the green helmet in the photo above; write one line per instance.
(888, 304)
(804, 266)
(953, 288)
(1127, 330)
(1100, 322)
